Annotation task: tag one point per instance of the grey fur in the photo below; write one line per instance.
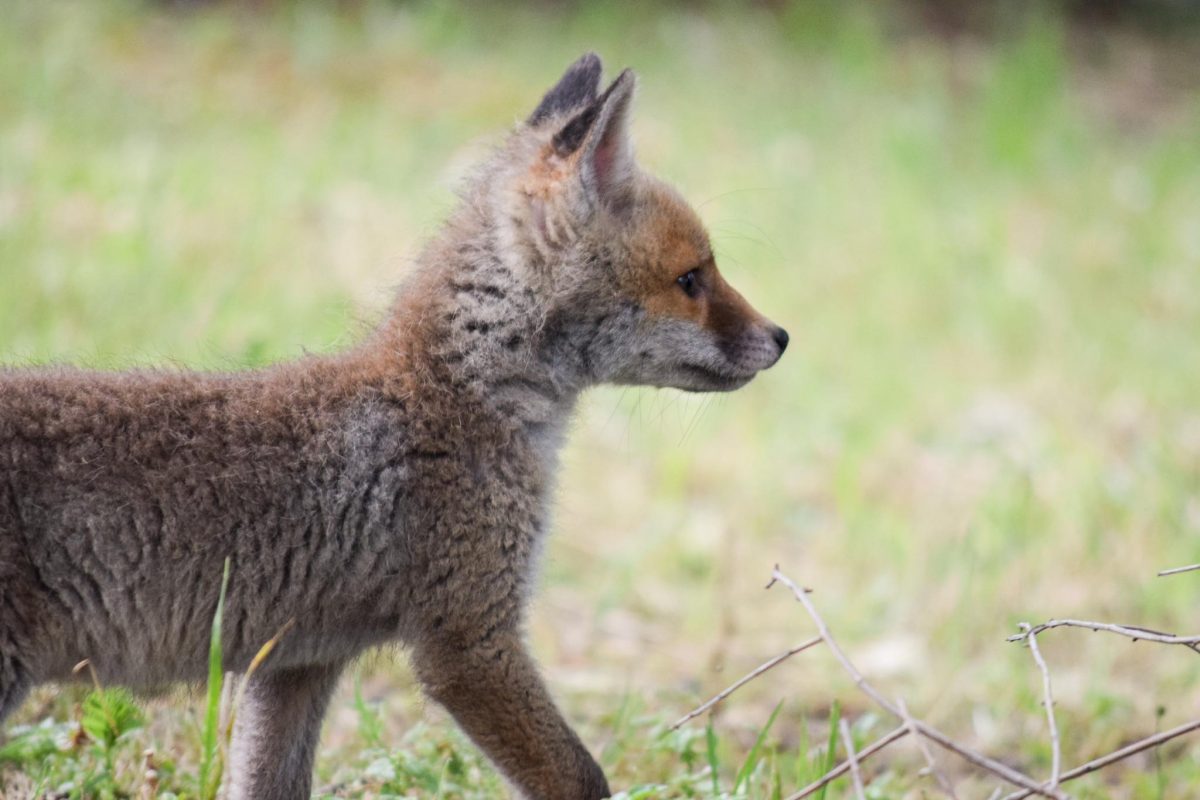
(397, 492)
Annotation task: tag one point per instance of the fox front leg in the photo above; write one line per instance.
(493, 690)
(276, 731)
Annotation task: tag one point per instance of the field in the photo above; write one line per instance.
(986, 248)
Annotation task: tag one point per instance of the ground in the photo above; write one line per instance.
(986, 247)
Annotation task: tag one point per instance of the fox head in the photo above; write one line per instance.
(623, 267)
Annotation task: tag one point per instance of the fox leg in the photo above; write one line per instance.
(494, 692)
(14, 685)
(22, 615)
(275, 733)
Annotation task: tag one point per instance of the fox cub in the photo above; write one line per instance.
(396, 492)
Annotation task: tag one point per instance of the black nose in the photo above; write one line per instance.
(781, 339)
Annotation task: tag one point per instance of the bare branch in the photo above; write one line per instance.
(733, 687)
(1176, 570)
(941, 779)
(841, 769)
(1028, 787)
(1048, 699)
(848, 743)
(978, 759)
(1131, 631)
(1118, 755)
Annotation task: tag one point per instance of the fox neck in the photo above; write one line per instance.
(472, 328)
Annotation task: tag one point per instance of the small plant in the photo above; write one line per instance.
(109, 714)
(107, 717)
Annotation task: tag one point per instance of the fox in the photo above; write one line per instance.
(395, 493)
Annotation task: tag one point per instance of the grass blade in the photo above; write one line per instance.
(210, 769)
(710, 741)
(752, 757)
(835, 715)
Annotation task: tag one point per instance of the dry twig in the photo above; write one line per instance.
(851, 758)
(1176, 570)
(749, 676)
(1118, 755)
(1131, 631)
(1048, 699)
(941, 779)
(978, 759)
(841, 769)
(924, 731)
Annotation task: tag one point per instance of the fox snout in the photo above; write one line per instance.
(757, 348)
(711, 362)
(749, 341)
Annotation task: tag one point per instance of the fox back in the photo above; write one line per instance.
(395, 492)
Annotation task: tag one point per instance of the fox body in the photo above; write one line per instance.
(396, 492)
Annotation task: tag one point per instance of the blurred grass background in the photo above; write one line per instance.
(982, 229)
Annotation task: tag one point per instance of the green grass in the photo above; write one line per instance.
(987, 251)
(211, 763)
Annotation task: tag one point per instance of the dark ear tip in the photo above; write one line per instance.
(575, 89)
(587, 67)
(590, 62)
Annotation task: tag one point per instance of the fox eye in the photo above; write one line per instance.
(688, 282)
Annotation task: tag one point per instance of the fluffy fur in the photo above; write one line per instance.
(397, 492)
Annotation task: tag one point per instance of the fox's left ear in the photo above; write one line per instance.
(599, 135)
(574, 90)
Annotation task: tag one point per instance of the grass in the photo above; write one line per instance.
(211, 767)
(987, 250)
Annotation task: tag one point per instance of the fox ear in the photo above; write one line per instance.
(600, 134)
(575, 89)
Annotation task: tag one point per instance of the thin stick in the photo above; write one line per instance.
(844, 767)
(1177, 570)
(1118, 755)
(1048, 699)
(941, 779)
(848, 743)
(87, 664)
(749, 676)
(978, 759)
(1133, 632)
